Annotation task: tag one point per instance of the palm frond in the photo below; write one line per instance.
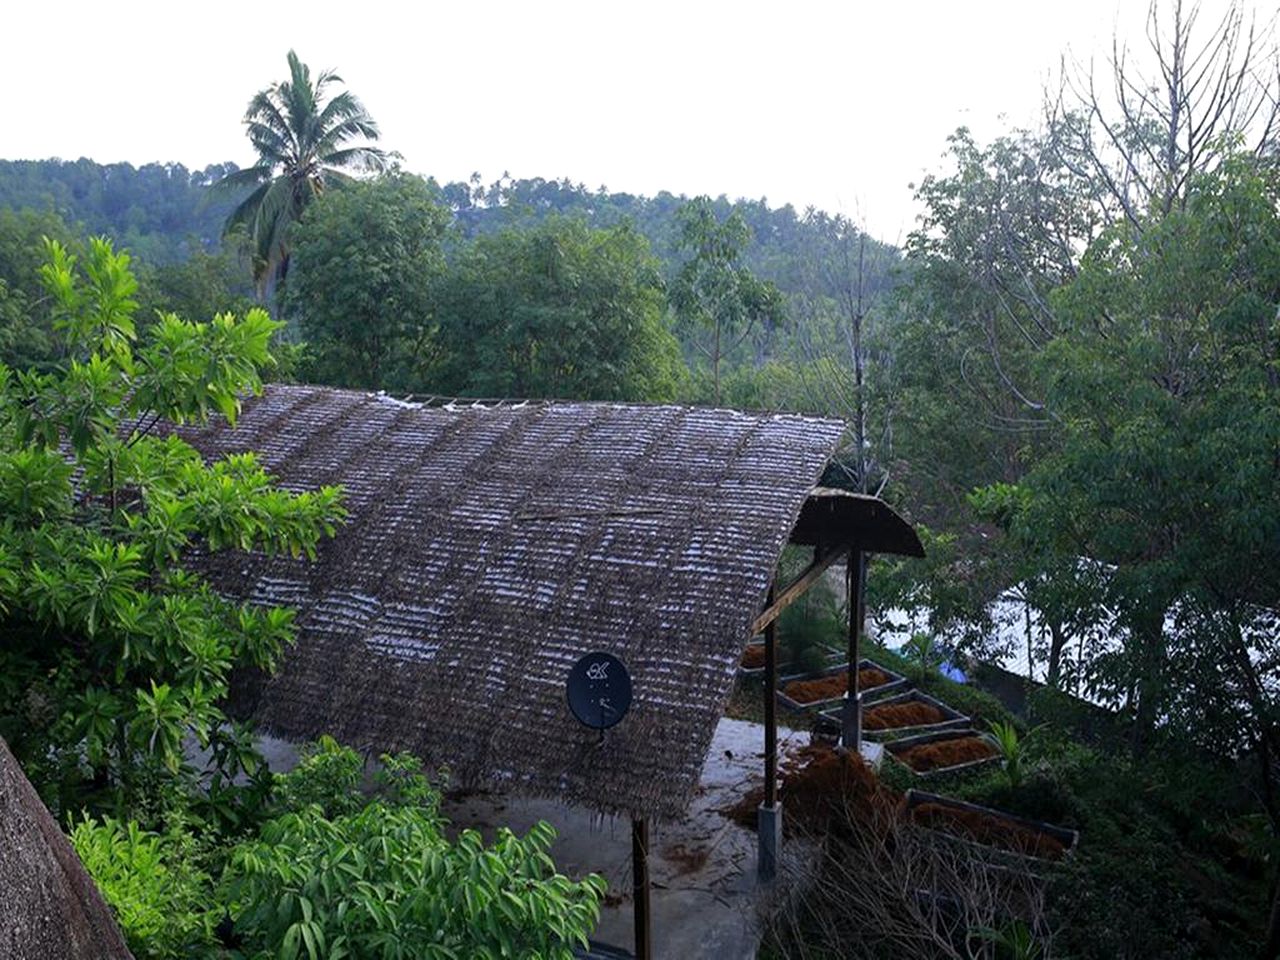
(369, 159)
(346, 106)
(246, 212)
(241, 179)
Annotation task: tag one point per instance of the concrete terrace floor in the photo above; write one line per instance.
(705, 898)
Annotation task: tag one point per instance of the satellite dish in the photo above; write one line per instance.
(599, 690)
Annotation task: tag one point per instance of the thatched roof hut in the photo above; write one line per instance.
(49, 906)
(491, 546)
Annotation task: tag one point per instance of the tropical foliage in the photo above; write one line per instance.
(114, 651)
(304, 141)
(334, 873)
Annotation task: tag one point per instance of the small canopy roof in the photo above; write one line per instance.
(832, 517)
(50, 905)
(488, 548)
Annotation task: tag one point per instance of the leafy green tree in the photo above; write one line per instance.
(713, 292)
(559, 310)
(304, 143)
(114, 652)
(27, 337)
(1166, 391)
(203, 285)
(368, 266)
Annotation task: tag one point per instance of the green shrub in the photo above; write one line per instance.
(154, 884)
(383, 880)
(327, 776)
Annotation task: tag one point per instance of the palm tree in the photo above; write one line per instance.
(303, 145)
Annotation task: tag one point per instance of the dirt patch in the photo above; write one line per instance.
(890, 716)
(824, 791)
(686, 860)
(835, 685)
(743, 811)
(946, 753)
(991, 830)
(753, 657)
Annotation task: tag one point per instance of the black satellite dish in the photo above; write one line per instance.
(599, 690)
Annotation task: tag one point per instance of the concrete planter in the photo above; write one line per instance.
(1067, 838)
(954, 720)
(896, 682)
(833, 656)
(895, 749)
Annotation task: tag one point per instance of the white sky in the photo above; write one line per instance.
(840, 105)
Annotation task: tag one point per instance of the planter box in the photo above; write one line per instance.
(954, 720)
(1062, 835)
(833, 656)
(895, 748)
(896, 683)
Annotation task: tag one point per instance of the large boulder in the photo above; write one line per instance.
(49, 906)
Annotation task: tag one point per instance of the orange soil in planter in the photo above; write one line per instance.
(753, 656)
(828, 688)
(890, 716)
(991, 830)
(946, 753)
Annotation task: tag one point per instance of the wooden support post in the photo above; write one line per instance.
(851, 726)
(640, 888)
(769, 815)
(771, 710)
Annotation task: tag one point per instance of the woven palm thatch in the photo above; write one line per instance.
(488, 548)
(49, 906)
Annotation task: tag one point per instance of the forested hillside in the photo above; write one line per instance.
(163, 212)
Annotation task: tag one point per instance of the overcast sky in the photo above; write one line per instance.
(840, 105)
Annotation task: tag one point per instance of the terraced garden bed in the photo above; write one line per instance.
(931, 754)
(989, 827)
(810, 691)
(913, 712)
(752, 663)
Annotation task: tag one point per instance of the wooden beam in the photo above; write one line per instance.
(643, 916)
(797, 588)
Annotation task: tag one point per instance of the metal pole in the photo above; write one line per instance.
(851, 727)
(640, 888)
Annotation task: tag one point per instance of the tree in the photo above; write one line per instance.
(113, 650)
(1142, 135)
(303, 143)
(1167, 394)
(368, 265)
(713, 292)
(27, 337)
(559, 310)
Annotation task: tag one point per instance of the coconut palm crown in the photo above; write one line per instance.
(303, 144)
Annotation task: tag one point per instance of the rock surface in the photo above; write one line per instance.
(49, 906)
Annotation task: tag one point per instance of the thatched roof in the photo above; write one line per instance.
(490, 547)
(49, 906)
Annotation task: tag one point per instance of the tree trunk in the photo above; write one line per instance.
(1057, 642)
(1272, 949)
(1148, 631)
